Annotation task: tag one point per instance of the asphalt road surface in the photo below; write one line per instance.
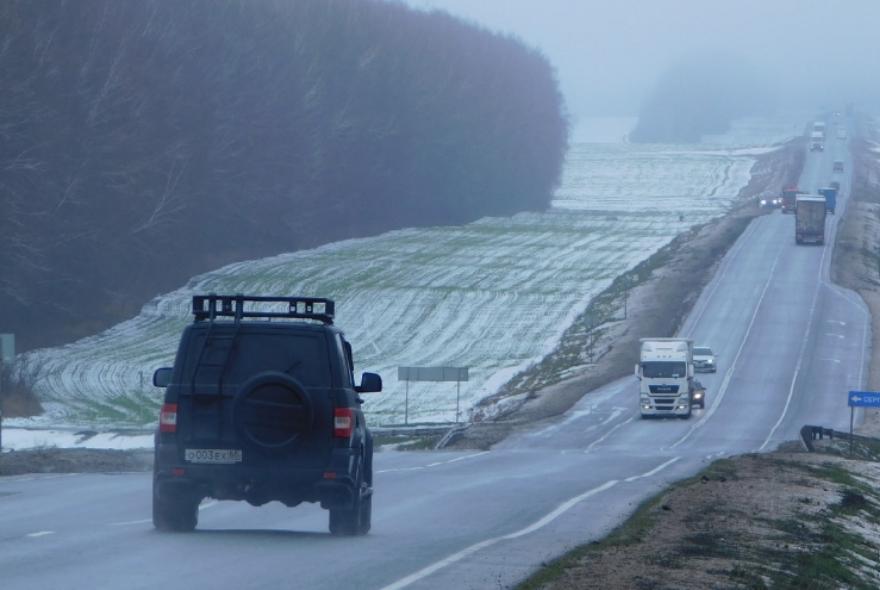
(789, 346)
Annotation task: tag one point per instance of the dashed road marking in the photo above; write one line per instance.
(131, 522)
(728, 375)
(39, 534)
(607, 434)
(797, 368)
(429, 465)
(537, 525)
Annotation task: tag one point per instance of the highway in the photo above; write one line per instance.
(789, 345)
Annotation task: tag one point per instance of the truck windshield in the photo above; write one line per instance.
(663, 369)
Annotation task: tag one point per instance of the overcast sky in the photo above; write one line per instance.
(608, 53)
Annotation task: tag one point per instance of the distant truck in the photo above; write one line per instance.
(817, 141)
(830, 196)
(789, 195)
(809, 220)
(665, 372)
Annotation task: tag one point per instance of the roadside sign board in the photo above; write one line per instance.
(864, 399)
(432, 373)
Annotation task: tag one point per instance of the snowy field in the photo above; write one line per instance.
(494, 295)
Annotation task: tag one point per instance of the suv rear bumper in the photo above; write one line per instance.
(333, 486)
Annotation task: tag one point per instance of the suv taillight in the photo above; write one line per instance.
(168, 418)
(343, 422)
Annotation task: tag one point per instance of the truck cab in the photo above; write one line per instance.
(665, 373)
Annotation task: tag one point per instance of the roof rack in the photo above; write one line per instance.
(209, 307)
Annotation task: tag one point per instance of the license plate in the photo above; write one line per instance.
(223, 456)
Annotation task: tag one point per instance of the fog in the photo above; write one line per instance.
(608, 55)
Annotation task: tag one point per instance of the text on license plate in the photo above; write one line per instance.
(212, 455)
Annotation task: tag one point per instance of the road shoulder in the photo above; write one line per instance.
(856, 262)
(778, 520)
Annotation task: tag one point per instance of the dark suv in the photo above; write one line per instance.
(261, 405)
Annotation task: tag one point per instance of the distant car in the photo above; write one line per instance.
(704, 359)
(835, 185)
(698, 397)
(817, 147)
(838, 166)
(769, 201)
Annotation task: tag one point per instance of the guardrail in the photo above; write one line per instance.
(810, 433)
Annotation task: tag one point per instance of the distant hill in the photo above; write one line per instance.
(700, 96)
(145, 141)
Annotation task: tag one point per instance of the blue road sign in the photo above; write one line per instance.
(864, 399)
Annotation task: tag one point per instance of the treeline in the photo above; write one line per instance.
(701, 96)
(146, 141)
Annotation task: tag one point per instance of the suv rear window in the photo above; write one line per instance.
(703, 351)
(302, 356)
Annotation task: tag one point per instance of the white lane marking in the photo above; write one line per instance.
(841, 336)
(39, 534)
(728, 375)
(607, 434)
(837, 322)
(435, 464)
(131, 522)
(716, 279)
(537, 525)
(831, 360)
(615, 412)
(455, 557)
(797, 368)
(203, 506)
(654, 471)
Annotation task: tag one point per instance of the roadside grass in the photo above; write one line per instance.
(812, 547)
(635, 530)
(134, 408)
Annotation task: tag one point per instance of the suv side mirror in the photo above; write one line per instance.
(162, 377)
(636, 371)
(370, 383)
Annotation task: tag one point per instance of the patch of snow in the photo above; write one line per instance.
(26, 438)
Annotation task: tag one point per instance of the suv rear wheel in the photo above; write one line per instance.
(356, 520)
(177, 513)
(347, 522)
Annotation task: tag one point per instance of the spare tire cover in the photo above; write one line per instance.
(272, 410)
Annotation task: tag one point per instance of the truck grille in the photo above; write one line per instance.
(663, 388)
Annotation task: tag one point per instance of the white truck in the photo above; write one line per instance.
(665, 372)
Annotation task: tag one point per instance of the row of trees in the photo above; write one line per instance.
(145, 141)
(700, 96)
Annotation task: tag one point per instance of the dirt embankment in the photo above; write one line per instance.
(856, 262)
(796, 521)
(658, 294)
